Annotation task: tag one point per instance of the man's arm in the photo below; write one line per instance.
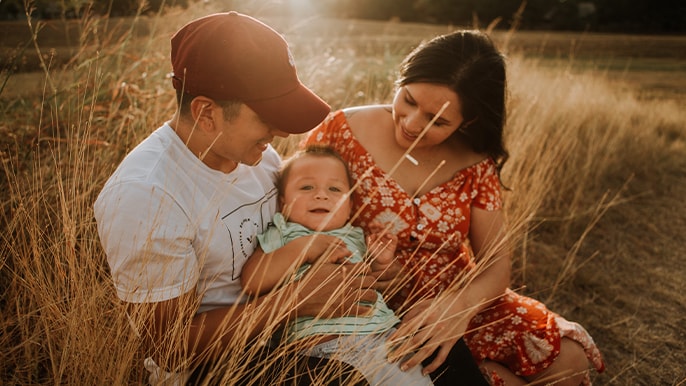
(181, 339)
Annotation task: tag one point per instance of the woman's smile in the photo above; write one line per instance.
(408, 135)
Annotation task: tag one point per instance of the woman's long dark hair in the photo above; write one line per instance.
(469, 64)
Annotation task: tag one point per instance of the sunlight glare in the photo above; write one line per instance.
(299, 7)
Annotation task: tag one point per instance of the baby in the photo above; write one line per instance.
(314, 193)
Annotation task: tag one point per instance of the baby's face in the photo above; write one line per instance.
(317, 193)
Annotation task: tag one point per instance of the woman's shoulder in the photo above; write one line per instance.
(366, 113)
(363, 119)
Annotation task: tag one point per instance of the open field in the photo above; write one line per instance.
(653, 64)
(597, 135)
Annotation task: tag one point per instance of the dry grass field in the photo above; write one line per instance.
(596, 132)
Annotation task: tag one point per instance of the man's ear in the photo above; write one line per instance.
(202, 110)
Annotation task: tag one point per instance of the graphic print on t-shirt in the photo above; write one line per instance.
(243, 224)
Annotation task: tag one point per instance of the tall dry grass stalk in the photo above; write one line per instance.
(568, 133)
(60, 320)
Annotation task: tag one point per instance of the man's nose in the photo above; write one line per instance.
(278, 133)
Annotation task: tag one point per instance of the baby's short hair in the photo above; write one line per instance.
(315, 150)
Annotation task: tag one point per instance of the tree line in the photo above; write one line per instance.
(620, 16)
(612, 16)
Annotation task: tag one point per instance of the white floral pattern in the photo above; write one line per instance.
(537, 349)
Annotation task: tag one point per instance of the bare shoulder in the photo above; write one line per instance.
(362, 118)
(368, 113)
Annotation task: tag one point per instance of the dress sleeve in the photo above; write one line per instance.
(327, 133)
(487, 188)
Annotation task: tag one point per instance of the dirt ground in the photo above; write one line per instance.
(632, 287)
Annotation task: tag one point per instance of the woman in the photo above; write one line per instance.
(428, 167)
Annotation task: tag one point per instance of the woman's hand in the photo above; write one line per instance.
(430, 325)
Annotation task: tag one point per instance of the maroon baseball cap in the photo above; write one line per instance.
(231, 56)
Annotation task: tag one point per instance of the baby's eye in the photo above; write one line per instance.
(306, 187)
(335, 189)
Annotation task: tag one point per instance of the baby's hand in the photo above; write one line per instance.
(324, 248)
(381, 245)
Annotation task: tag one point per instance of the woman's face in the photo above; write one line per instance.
(415, 105)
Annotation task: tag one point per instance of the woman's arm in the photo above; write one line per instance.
(440, 322)
(493, 255)
(263, 271)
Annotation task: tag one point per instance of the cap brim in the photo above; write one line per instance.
(295, 112)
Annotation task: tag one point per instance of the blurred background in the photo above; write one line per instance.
(613, 16)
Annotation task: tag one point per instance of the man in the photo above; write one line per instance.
(180, 215)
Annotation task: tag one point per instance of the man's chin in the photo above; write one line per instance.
(252, 163)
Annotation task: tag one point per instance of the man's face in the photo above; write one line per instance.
(242, 139)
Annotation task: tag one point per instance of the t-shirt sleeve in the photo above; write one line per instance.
(271, 161)
(487, 188)
(147, 238)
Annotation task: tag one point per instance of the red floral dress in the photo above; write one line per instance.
(432, 229)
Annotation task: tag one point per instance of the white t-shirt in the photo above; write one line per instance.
(168, 223)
